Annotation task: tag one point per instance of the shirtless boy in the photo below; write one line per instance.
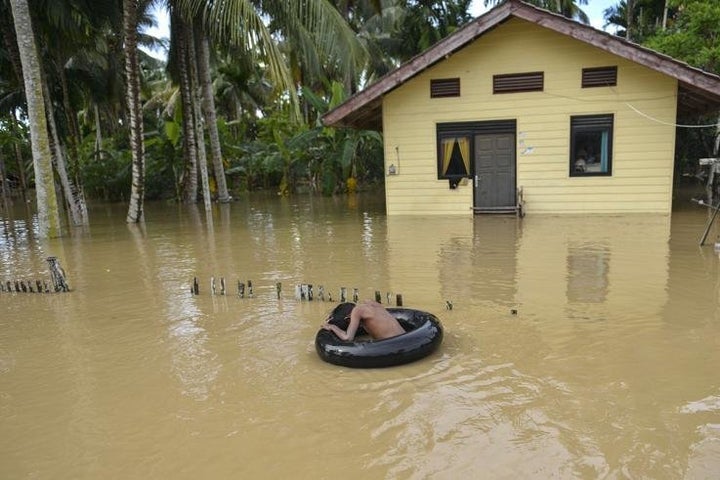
(373, 317)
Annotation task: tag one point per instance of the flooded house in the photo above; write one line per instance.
(523, 110)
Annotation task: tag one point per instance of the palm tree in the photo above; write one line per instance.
(11, 92)
(393, 31)
(254, 26)
(59, 24)
(73, 30)
(202, 48)
(241, 86)
(48, 213)
(638, 20)
(132, 88)
(196, 96)
(180, 58)
(181, 62)
(74, 197)
(429, 21)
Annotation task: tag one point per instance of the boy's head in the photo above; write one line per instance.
(340, 315)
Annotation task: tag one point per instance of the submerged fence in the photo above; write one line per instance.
(58, 281)
(217, 286)
(302, 292)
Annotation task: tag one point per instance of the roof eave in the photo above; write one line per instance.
(623, 48)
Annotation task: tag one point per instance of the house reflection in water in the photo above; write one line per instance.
(594, 267)
(560, 266)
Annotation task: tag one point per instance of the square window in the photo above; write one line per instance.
(591, 138)
(454, 156)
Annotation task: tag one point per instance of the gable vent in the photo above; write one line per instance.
(519, 82)
(445, 87)
(599, 77)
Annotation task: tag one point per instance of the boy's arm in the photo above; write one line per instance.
(342, 335)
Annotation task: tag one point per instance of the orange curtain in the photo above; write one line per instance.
(464, 143)
(448, 144)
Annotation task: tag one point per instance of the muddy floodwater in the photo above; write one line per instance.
(576, 347)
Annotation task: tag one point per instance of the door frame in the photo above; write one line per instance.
(471, 129)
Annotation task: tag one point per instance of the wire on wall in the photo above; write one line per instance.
(679, 125)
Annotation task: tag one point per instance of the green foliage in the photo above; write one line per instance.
(694, 36)
(163, 164)
(646, 19)
(267, 159)
(105, 173)
(425, 22)
(339, 154)
(10, 137)
(173, 132)
(295, 157)
(692, 144)
(264, 145)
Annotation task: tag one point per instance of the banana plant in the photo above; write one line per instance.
(338, 157)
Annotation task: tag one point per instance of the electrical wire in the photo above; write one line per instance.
(671, 124)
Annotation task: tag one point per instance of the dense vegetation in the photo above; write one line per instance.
(236, 106)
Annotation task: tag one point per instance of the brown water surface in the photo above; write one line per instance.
(608, 369)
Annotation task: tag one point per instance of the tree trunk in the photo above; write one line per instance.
(98, 133)
(197, 99)
(4, 187)
(47, 206)
(74, 198)
(132, 85)
(71, 119)
(190, 184)
(203, 61)
(629, 6)
(18, 156)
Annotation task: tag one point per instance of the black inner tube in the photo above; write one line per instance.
(423, 335)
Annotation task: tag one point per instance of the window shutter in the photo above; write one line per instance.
(519, 82)
(599, 77)
(592, 121)
(445, 87)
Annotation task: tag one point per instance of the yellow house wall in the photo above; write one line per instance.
(643, 149)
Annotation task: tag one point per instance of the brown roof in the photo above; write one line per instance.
(699, 91)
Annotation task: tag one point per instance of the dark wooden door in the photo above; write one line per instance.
(494, 171)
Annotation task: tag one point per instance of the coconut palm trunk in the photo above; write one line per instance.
(98, 132)
(74, 197)
(47, 206)
(136, 212)
(203, 62)
(4, 186)
(19, 159)
(190, 184)
(196, 100)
